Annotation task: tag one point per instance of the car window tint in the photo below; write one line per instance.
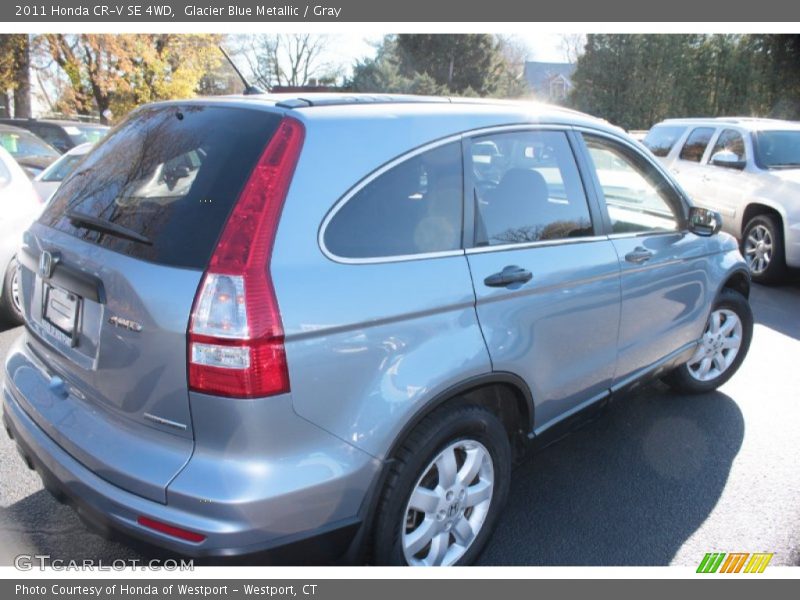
(661, 138)
(730, 141)
(413, 208)
(638, 198)
(169, 173)
(527, 189)
(696, 143)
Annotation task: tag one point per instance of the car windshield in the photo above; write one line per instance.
(21, 143)
(778, 149)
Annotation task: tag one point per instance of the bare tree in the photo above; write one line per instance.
(572, 45)
(287, 59)
(515, 51)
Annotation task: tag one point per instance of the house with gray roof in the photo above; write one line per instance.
(549, 81)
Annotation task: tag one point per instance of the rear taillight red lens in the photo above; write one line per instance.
(235, 334)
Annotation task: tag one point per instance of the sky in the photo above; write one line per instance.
(346, 48)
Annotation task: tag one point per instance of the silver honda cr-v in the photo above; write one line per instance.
(257, 322)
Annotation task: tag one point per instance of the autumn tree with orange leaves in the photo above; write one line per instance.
(109, 74)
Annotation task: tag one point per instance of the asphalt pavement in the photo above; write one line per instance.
(657, 479)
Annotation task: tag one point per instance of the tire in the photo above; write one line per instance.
(469, 438)
(763, 248)
(10, 309)
(703, 372)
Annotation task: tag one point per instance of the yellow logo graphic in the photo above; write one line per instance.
(734, 562)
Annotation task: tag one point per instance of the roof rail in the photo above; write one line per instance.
(344, 99)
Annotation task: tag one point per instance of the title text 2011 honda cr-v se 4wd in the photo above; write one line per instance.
(257, 321)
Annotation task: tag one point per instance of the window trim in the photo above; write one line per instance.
(596, 217)
(596, 189)
(467, 207)
(337, 206)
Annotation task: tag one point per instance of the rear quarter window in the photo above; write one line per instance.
(412, 208)
(171, 174)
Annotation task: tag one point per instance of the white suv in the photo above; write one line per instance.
(749, 171)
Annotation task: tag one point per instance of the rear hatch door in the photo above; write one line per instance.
(110, 272)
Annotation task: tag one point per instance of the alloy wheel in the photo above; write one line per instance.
(718, 347)
(448, 505)
(758, 249)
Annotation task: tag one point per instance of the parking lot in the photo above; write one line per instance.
(658, 479)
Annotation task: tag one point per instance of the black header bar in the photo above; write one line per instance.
(453, 11)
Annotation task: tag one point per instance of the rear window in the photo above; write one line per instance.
(170, 174)
(660, 139)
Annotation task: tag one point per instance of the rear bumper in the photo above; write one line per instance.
(303, 505)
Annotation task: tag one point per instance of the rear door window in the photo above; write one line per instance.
(661, 138)
(170, 174)
(695, 145)
(412, 208)
(526, 189)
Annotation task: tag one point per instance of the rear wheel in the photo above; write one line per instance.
(722, 348)
(11, 301)
(762, 247)
(445, 490)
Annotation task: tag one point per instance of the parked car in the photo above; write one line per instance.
(322, 325)
(62, 134)
(47, 182)
(32, 154)
(19, 206)
(749, 171)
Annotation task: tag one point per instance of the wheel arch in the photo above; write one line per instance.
(737, 280)
(760, 207)
(504, 393)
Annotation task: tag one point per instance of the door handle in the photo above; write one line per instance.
(509, 275)
(639, 255)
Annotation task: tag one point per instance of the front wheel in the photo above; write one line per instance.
(721, 350)
(445, 490)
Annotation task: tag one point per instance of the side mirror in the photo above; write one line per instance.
(728, 159)
(704, 222)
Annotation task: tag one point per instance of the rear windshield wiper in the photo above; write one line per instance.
(103, 226)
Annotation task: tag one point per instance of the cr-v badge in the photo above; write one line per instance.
(125, 323)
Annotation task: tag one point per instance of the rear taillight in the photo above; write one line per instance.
(235, 333)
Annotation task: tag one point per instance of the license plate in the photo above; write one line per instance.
(61, 314)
